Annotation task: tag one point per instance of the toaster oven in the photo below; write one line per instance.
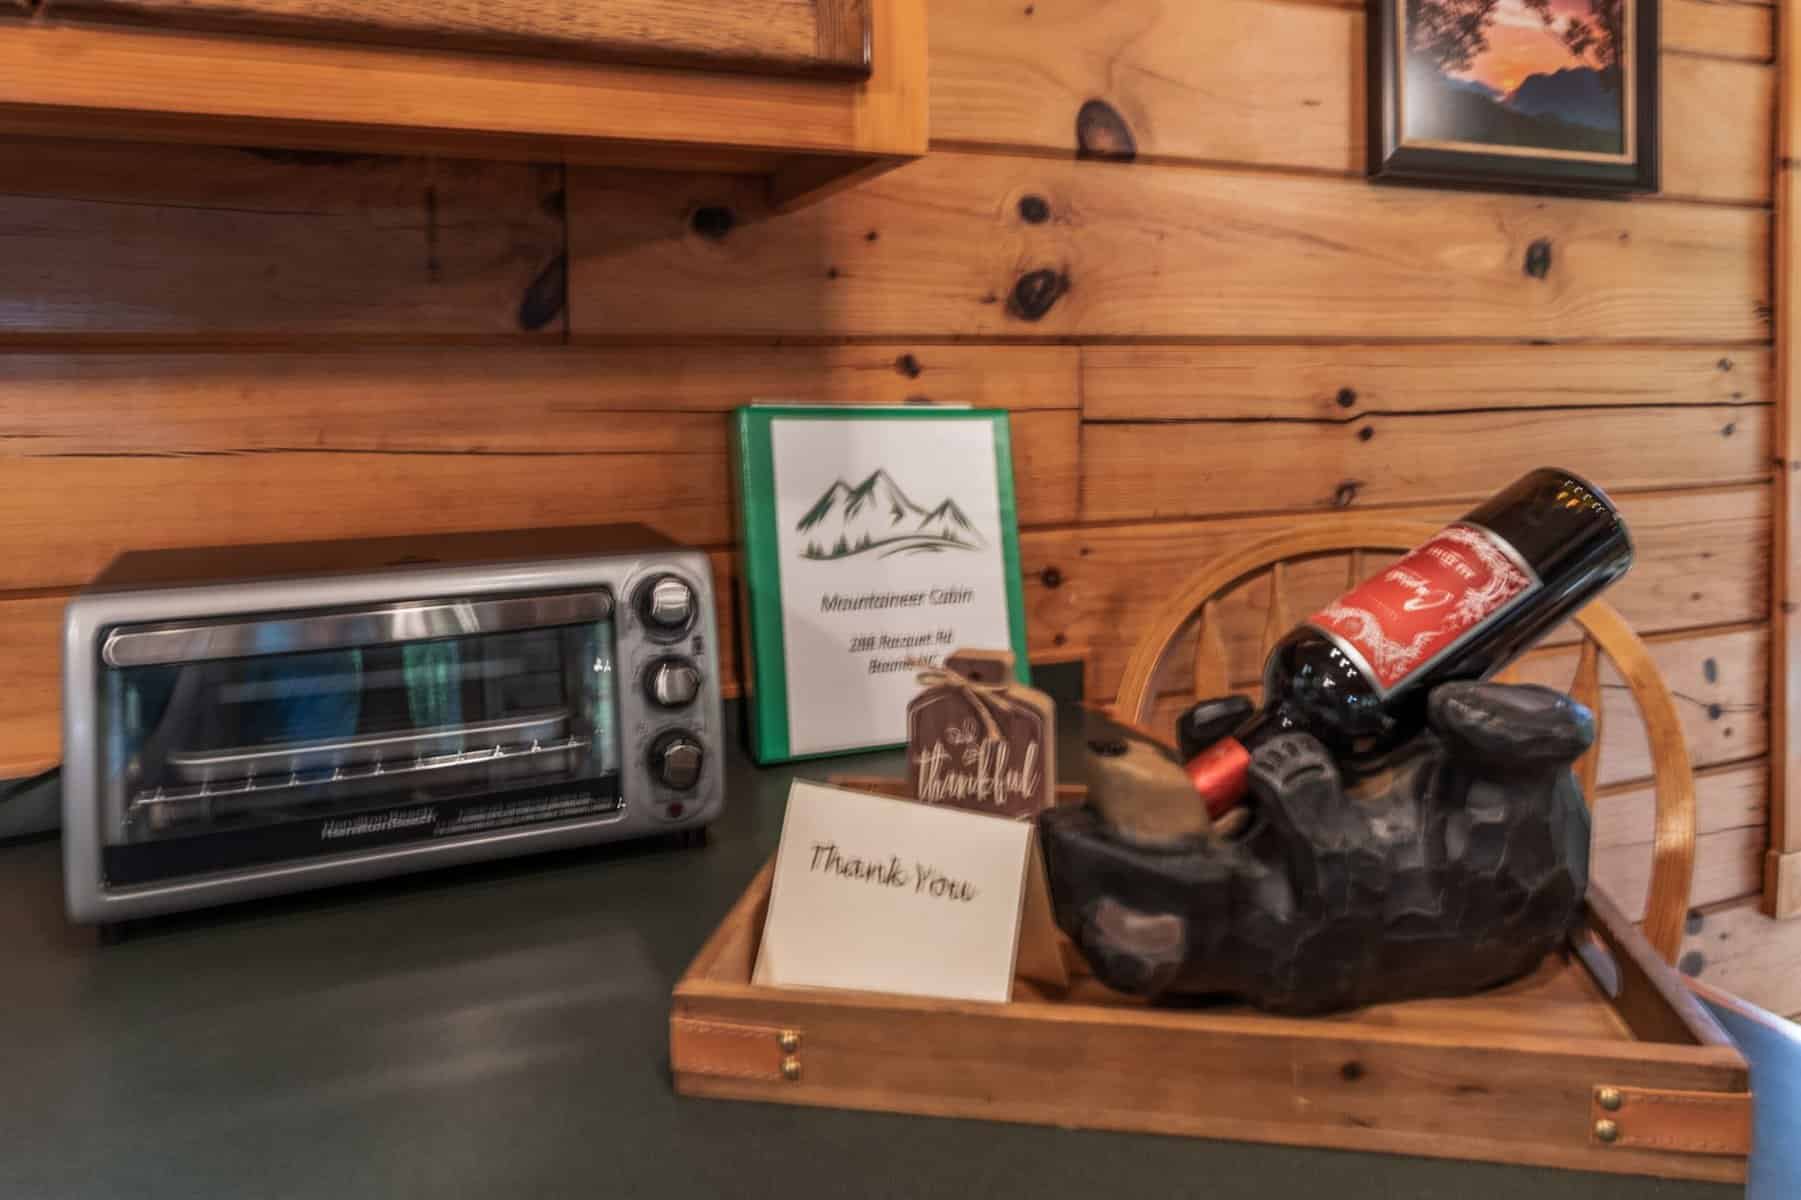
(250, 720)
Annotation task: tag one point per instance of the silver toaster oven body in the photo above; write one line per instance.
(244, 721)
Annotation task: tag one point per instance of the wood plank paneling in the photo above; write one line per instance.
(1728, 865)
(1265, 83)
(553, 399)
(1243, 81)
(31, 741)
(62, 519)
(1738, 949)
(1736, 796)
(1310, 382)
(30, 701)
(1011, 247)
(1721, 685)
(1699, 163)
(1727, 28)
(1731, 812)
(299, 474)
(195, 243)
(1172, 469)
(1703, 560)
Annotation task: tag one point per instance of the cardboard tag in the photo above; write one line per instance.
(884, 895)
(976, 740)
(983, 666)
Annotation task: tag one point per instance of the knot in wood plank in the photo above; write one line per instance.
(1102, 133)
(1036, 292)
(1538, 258)
(713, 221)
(545, 296)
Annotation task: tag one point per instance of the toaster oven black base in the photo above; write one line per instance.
(396, 822)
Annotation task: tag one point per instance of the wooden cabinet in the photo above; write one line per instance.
(809, 93)
(806, 37)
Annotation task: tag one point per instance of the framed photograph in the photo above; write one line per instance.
(876, 541)
(1539, 95)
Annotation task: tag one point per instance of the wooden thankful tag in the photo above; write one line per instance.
(984, 744)
(993, 667)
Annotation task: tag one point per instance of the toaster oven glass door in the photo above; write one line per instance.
(222, 757)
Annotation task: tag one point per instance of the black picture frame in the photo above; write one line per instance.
(1392, 160)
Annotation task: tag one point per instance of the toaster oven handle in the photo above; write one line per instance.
(524, 733)
(414, 621)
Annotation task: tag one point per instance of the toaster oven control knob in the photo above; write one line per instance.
(666, 604)
(675, 759)
(672, 683)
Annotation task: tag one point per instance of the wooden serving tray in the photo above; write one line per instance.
(1526, 1073)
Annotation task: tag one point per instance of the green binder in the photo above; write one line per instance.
(876, 540)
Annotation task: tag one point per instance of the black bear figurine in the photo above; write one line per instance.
(1456, 864)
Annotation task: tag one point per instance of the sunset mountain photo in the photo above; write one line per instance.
(877, 517)
(1541, 74)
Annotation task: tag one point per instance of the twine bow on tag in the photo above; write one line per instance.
(983, 697)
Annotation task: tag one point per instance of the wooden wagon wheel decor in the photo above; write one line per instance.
(1606, 635)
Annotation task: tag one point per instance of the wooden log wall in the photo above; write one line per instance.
(1143, 229)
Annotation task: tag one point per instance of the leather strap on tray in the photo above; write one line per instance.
(733, 1051)
(1684, 1122)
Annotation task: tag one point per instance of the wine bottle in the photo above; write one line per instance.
(1461, 606)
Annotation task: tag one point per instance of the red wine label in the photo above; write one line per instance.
(1424, 606)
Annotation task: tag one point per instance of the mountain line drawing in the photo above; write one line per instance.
(877, 517)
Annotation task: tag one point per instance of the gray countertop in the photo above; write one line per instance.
(502, 1031)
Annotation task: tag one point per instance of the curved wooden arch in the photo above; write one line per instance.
(1607, 634)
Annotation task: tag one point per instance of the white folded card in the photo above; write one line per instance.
(884, 895)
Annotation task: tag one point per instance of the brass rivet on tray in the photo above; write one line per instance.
(791, 1070)
(1609, 1099)
(789, 1041)
(1607, 1131)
